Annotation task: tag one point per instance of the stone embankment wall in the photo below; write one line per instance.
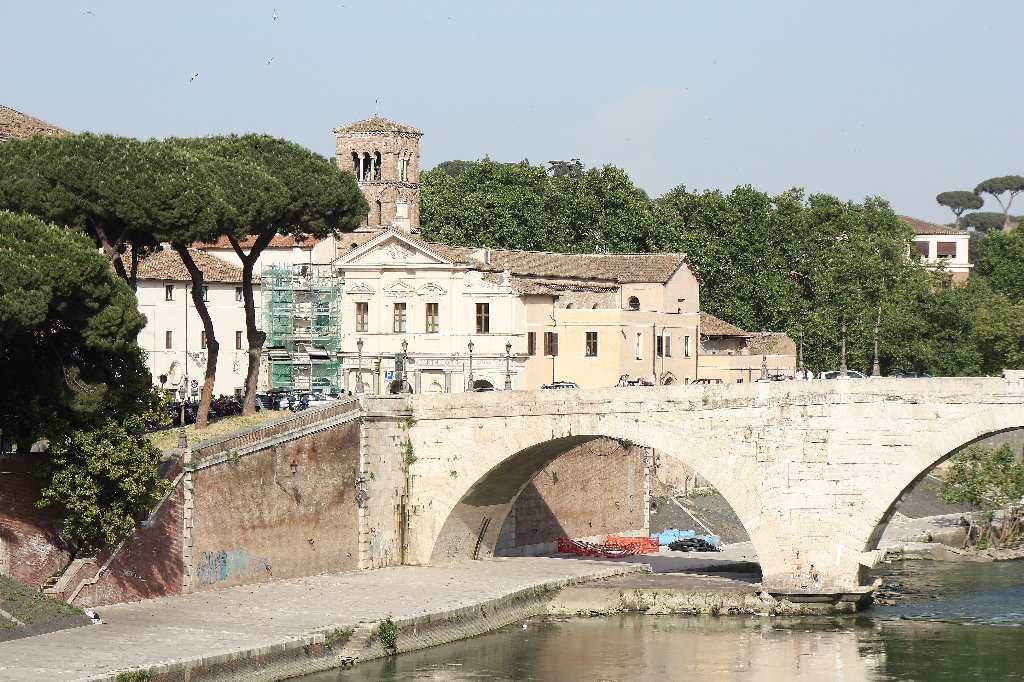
(283, 511)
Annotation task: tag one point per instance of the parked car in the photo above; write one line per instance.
(485, 389)
(707, 381)
(850, 374)
(561, 384)
(911, 375)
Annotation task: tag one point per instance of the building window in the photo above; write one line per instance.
(403, 170)
(483, 318)
(922, 249)
(639, 346)
(238, 340)
(202, 340)
(168, 340)
(531, 343)
(168, 292)
(945, 249)
(686, 346)
(591, 345)
(362, 316)
(206, 293)
(664, 349)
(634, 303)
(238, 294)
(399, 318)
(551, 343)
(432, 326)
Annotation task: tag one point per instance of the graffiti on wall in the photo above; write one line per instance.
(222, 565)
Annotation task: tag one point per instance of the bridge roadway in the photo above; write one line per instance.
(813, 469)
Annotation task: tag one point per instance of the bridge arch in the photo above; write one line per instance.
(472, 525)
(934, 450)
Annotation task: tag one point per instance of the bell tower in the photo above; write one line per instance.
(385, 157)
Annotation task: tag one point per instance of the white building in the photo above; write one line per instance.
(173, 338)
(942, 245)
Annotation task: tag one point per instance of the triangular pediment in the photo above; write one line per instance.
(391, 248)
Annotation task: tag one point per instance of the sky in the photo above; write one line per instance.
(897, 99)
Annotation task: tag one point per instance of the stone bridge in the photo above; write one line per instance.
(813, 469)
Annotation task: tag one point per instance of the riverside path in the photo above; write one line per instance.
(173, 634)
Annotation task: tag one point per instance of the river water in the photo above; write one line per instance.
(950, 622)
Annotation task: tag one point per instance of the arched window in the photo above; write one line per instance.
(634, 303)
(376, 166)
(355, 165)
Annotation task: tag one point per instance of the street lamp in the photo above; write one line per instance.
(876, 370)
(842, 353)
(508, 361)
(469, 382)
(182, 392)
(402, 383)
(764, 356)
(359, 376)
(801, 371)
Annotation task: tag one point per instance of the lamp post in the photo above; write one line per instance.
(876, 370)
(764, 356)
(359, 376)
(405, 356)
(508, 370)
(842, 353)
(801, 371)
(182, 392)
(469, 381)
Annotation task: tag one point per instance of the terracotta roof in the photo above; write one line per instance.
(608, 267)
(278, 241)
(377, 124)
(712, 326)
(925, 227)
(167, 265)
(16, 124)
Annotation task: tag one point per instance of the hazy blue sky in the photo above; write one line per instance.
(898, 99)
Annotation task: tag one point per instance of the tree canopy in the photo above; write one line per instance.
(315, 199)
(522, 206)
(959, 201)
(74, 377)
(1009, 185)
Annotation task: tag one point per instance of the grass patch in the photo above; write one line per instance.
(168, 438)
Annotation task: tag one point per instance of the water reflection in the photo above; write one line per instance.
(964, 622)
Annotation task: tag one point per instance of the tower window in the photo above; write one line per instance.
(376, 166)
(403, 170)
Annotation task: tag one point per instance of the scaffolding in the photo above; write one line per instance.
(302, 320)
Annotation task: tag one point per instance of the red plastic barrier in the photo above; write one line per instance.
(567, 546)
(642, 545)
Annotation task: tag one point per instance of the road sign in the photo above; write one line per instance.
(195, 383)
(389, 375)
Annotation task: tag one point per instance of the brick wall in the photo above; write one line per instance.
(255, 519)
(595, 489)
(30, 549)
(145, 566)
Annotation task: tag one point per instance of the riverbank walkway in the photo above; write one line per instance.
(196, 626)
(252, 617)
